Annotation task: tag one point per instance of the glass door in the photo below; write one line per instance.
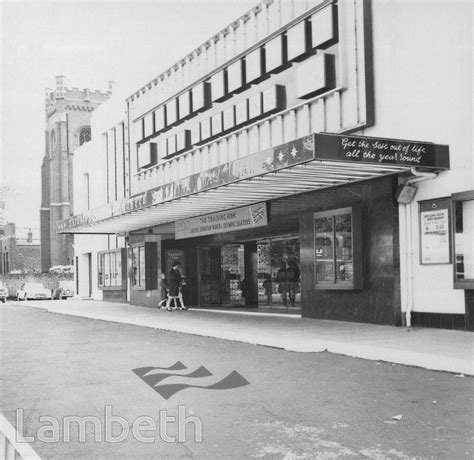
(210, 274)
(232, 275)
(278, 262)
(222, 273)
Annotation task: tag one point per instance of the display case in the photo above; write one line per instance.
(338, 249)
(143, 266)
(111, 269)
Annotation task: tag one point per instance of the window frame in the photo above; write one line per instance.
(147, 265)
(112, 279)
(459, 197)
(84, 129)
(356, 239)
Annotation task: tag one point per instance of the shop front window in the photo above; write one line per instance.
(463, 206)
(143, 265)
(337, 243)
(135, 267)
(109, 269)
(100, 270)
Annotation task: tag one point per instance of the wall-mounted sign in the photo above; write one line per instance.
(225, 221)
(335, 147)
(434, 232)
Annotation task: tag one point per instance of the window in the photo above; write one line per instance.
(337, 245)
(144, 266)
(463, 208)
(87, 190)
(52, 143)
(138, 266)
(84, 135)
(109, 269)
(135, 267)
(100, 269)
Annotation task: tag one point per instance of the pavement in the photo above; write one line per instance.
(435, 349)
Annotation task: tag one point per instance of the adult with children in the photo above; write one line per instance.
(174, 284)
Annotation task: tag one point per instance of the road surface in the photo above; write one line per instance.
(262, 402)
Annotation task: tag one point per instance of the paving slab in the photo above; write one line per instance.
(436, 349)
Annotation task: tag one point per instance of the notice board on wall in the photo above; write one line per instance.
(435, 237)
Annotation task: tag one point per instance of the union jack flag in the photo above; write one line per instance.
(257, 214)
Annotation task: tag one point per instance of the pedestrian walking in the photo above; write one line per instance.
(164, 287)
(267, 286)
(287, 279)
(180, 293)
(174, 283)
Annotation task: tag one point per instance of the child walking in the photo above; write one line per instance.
(164, 291)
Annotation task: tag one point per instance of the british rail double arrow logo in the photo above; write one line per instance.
(153, 376)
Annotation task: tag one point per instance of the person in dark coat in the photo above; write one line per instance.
(268, 288)
(287, 279)
(174, 283)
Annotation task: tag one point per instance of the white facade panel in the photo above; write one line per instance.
(433, 111)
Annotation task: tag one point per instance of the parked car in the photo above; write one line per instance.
(3, 293)
(33, 291)
(64, 290)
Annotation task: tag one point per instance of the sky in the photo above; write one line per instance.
(90, 43)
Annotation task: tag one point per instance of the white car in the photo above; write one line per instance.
(33, 291)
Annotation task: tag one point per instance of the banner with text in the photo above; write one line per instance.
(359, 149)
(225, 221)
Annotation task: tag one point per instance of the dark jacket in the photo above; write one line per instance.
(174, 282)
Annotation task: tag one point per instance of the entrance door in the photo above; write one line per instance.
(232, 276)
(222, 273)
(210, 276)
(249, 284)
(279, 273)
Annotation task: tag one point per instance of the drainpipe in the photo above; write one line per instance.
(419, 177)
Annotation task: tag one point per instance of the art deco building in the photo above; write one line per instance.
(312, 156)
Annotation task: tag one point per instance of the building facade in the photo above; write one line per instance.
(296, 162)
(68, 113)
(19, 250)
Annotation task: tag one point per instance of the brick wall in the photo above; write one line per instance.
(28, 257)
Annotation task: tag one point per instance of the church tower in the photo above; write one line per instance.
(68, 116)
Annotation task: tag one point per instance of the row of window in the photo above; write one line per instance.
(256, 25)
(250, 109)
(312, 77)
(316, 32)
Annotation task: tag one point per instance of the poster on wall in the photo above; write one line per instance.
(434, 232)
(174, 255)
